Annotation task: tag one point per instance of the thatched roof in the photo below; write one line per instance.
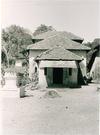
(57, 40)
(48, 34)
(58, 53)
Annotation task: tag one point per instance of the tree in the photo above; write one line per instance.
(42, 28)
(95, 48)
(16, 39)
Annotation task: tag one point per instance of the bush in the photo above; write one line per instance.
(22, 79)
(2, 71)
(19, 79)
(24, 63)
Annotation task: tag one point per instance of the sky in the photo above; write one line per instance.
(81, 17)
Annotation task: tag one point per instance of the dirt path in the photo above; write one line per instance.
(74, 113)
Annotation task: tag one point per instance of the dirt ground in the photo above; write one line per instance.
(75, 112)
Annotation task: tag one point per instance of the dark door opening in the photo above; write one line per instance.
(57, 75)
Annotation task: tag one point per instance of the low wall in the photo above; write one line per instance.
(9, 88)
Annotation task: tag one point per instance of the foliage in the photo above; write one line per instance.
(2, 71)
(22, 79)
(15, 39)
(42, 28)
(94, 44)
(33, 85)
(19, 78)
(95, 48)
(3, 58)
(24, 63)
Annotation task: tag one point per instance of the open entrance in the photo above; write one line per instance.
(57, 75)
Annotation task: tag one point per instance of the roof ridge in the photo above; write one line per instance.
(50, 32)
(44, 33)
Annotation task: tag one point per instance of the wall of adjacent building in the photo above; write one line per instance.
(95, 70)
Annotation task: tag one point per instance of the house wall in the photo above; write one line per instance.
(49, 76)
(68, 80)
(42, 79)
(47, 80)
(65, 76)
(34, 53)
(32, 63)
(73, 79)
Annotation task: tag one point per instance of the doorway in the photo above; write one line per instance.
(57, 75)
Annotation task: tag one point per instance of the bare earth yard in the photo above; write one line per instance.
(76, 112)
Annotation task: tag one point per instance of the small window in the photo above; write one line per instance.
(45, 71)
(35, 69)
(70, 71)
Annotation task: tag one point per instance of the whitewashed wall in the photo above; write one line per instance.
(42, 79)
(95, 70)
(32, 64)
